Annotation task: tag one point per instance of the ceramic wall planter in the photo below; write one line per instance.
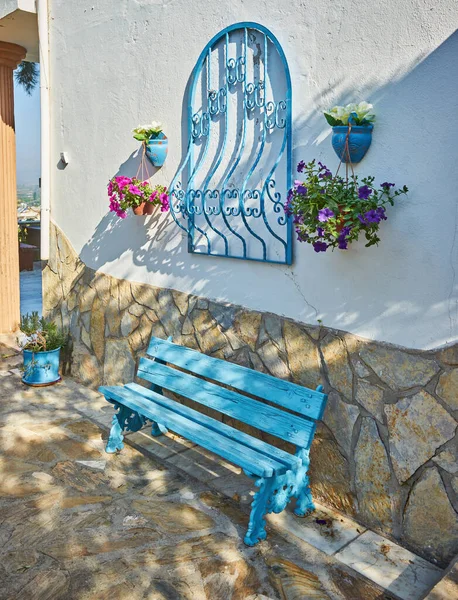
(156, 150)
(358, 143)
(41, 368)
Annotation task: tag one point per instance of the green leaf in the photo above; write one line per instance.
(333, 122)
(141, 137)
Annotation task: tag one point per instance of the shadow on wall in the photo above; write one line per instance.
(424, 162)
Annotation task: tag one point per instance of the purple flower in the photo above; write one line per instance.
(373, 216)
(364, 192)
(301, 189)
(325, 214)
(301, 235)
(320, 231)
(386, 186)
(320, 246)
(342, 238)
(300, 166)
(289, 196)
(325, 175)
(381, 213)
(298, 219)
(287, 208)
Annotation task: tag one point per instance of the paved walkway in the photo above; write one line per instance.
(161, 520)
(31, 292)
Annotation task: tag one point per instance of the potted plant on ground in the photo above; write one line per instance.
(352, 127)
(41, 342)
(154, 141)
(140, 196)
(331, 211)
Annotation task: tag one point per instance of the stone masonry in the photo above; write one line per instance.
(386, 451)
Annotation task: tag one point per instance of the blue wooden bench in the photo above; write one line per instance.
(279, 475)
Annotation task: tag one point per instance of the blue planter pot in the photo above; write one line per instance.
(358, 143)
(156, 150)
(41, 368)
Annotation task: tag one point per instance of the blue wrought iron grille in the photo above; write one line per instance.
(229, 192)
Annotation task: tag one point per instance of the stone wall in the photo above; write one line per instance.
(386, 452)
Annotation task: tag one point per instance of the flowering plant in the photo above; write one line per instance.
(144, 133)
(125, 192)
(331, 212)
(362, 114)
(39, 335)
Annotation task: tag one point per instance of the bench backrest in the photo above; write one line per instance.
(179, 376)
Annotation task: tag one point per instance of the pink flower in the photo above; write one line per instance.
(133, 189)
(122, 181)
(165, 204)
(153, 196)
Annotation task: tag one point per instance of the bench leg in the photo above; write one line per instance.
(125, 419)
(304, 504)
(115, 439)
(157, 429)
(259, 508)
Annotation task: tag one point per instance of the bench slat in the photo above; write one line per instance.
(248, 459)
(290, 461)
(290, 395)
(286, 426)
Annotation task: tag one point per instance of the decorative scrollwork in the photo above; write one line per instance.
(240, 69)
(212, 195)
(235, 70)
(280, 122)
(231, 195)
(250, 102)
(259, 94)
(180, 195)
(276, 200)
(200, 125)
(252, 211)
(230, 69)
(254, 95)
(217, 101)
(285, 487)
(273, 116)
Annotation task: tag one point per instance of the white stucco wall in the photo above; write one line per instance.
(117, 64)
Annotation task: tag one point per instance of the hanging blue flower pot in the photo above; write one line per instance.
(359, 140)
(156, 149)
(41, 368)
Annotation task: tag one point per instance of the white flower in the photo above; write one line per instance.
(155, 126)
(23, 340)
(363, 108)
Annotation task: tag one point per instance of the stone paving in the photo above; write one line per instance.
(161, 520)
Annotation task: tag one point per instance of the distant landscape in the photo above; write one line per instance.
(28, 195)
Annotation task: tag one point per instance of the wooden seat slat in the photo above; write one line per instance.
(289, 427)
(290, 461)
(278, 391)
(247, 458)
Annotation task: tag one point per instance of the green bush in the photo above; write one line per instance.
(40, 334)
